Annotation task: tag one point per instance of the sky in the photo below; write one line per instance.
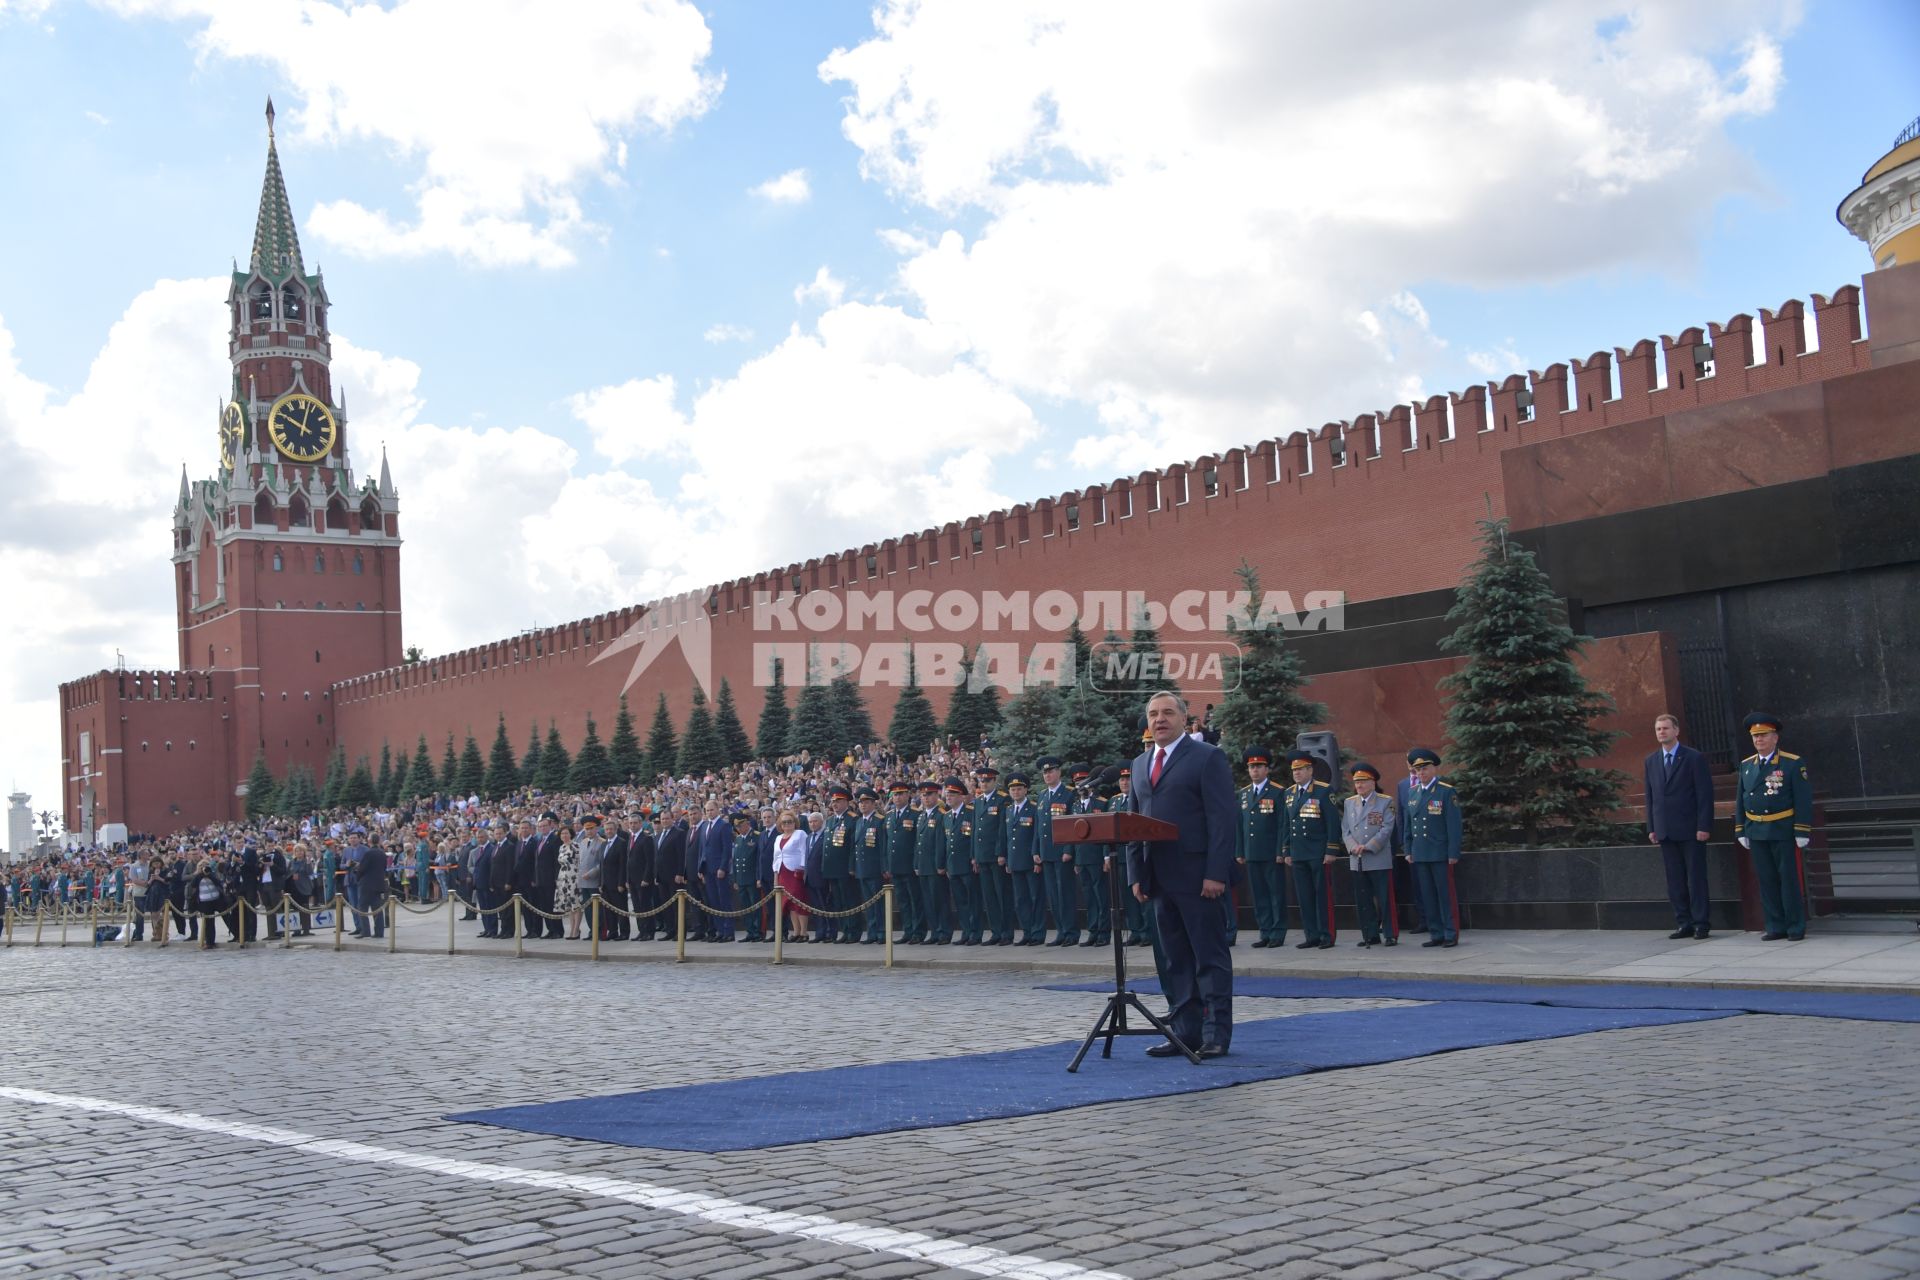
(640, 295)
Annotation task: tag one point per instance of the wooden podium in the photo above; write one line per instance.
(1119, 829)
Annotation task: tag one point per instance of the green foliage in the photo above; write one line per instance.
(384, 788)
(971, 711)
(555, 763)
(1521, 719)
(1027, 728)
(470, 779)
(776, 720)
(503, 774)
(1084, 730)
(624, 747)
(336, 776)
(593, 767)
(260, 788)
(813, 728)
(733, 734)
(420, 777)
(359, 788)
(914, 724)
(701, 750)
(663, 745)
(853, 727)
(403, 764)
(1136, 675)
(449, 764)
(298, 795)
(530, 761)
(1267, 708)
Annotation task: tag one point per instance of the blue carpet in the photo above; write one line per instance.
(1807, 1004)
(845, 1102)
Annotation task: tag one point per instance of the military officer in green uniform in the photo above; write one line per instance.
(929, 860)
(1056, 861)
(1087, 862)
(746, 862)
(1309, 845)
(1020, 855)
(963, 878)
(870, 861)
(1432, 819)
(836, 865)
(1773, 820)
(903, 830)
(1258, 849)
(989, 840)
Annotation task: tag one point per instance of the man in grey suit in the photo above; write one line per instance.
(1189, 783)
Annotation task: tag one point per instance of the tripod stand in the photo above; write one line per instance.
(1115, 828)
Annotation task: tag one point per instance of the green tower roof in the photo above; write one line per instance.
(276, 244)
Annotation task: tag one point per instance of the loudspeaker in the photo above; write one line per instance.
(1324, 747)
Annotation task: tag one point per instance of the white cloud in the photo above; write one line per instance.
(789, 188)
(1210, 219)
(728, 333)
(97, 118)
(509, 107)
(636, 419)
(822, 288)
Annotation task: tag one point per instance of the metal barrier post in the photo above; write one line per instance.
(779, 924)
(63, 924)
(39, 923)
(286, 920)
(133, 913)
(240, 920)
(680, 922)
(6, 924)
(452, 900)
(339, 917)
(519, 928)
(93, 922)
(593, 912)
(886, 893)
(166, 919)
(393, 923)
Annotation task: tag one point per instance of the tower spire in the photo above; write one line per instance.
(276, 244)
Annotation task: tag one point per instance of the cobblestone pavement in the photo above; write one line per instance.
(1746, 1147)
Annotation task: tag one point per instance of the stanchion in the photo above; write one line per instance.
(519, 919)
(339, 918)
(6, 924)
(39, 923)
(593, 911)
(886, 894)
(452, 900)
(240, 923)
(166, 919)
(286, 920)
(93, 922)
(779, 925)
(680, 926)
(393, 924)
(132, 915)
(63, 924)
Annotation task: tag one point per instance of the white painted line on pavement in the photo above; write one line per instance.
(979, 1259)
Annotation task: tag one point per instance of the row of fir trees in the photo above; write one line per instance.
(1520, 719)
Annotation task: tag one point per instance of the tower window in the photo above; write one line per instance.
(359, 564)
(278, 562)
(320, 562)
(262, 295)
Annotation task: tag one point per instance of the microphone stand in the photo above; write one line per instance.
(1113, 1019)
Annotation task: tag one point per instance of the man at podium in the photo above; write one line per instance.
(1189, 783)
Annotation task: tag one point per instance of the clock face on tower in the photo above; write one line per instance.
(233, 423)
(302, 428)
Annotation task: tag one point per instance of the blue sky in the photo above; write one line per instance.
(1049, 243)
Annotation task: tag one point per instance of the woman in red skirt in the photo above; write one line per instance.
(790, 871)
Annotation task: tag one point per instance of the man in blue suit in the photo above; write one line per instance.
(1189, 783)
(1680, 820)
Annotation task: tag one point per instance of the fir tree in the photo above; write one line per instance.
(471, 778)
(1081, 651)
(1027, 727)
(853, 727)
(503, 775)
(260, 788)
(1085, 730)
(974, 708)
(420, 779)
(530, 762)
(1266, 708)
(624, 749)
(383, 788)
(336, 777)
(298, 796)
(402, 766)
(1139, 673)
(449, 765)
(359, 788)
(554, 762)
(701, 750)
(813, 728)
(1521, 718)
(663, 745)
(592, 767)
(914, 724)
(726, 719)
(776, 721)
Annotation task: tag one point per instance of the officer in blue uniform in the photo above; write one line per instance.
(903, 832)
(1432, 822)
(1020, 855)
(1308, 845)
(989, 840)
(962, 877)
(1087, 862)
(929, 860)
(1056, 861)
(1258, 849)
(1773, 821)
(836, 866)
(870, 861)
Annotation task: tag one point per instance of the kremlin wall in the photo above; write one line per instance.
(1730, 514)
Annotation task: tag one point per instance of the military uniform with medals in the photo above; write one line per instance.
(989, 839)
(1018, 851)
(1257, 844)
(836, 868)
(963, 878)
(1773, 820)
(870, 865)
(1432, 820)
(1311, 837)
(1367, 824)
(1056, 861)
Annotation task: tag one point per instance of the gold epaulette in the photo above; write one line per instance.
(1443, 782)
(1788, 755)
(1750, 759)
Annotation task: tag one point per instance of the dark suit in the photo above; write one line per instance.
(482, 873)
(716, 860)
(1679, 805)
(613, 887)
(500, 878)
(1196, 794)
(670, 860)
(524, 851)
(372, 877)
(546, 876)
(643, 882)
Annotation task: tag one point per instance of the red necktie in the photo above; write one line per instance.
(1159, 758)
